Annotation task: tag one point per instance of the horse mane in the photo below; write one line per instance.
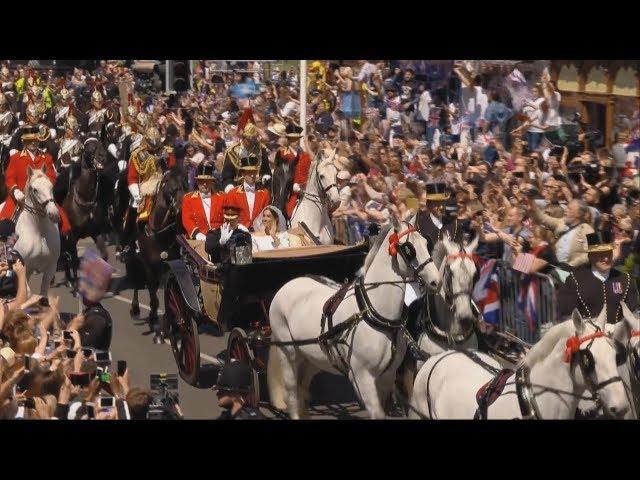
(373, 249)
(548, 342)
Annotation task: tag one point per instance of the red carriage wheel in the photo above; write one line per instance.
(182, 333)
(238, 349)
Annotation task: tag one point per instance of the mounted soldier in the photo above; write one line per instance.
(7, 125)
(33, 118)
(97, 116)
(71, 147)
(249, 146)
(432, 220)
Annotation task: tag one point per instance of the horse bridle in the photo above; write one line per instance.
(171, 209)
(449, 296)
(319, 199)
(407, 251)
(36, 208)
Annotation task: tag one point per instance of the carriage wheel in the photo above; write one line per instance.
(238, 349)
(182, 331)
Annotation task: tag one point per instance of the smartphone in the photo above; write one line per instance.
(106, 402)
(102, 357)
(80, 379)
(91, 413)
(27, 362)
(71, 353)
(123, 410)
(122, 367)
(67, 335)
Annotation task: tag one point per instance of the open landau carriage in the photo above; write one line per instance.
(236, 296)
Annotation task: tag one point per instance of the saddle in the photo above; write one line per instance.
(490, 392)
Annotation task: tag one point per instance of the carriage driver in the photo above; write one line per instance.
(589, 287)
(202, 209)
(17, 175)
(431, 221)
(233, 386)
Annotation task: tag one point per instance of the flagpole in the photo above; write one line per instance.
(303, 97)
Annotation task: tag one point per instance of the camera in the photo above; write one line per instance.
(164, 392)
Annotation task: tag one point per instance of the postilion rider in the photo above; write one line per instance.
(431, 220)
(232, 388)
(202, 209)
(17, 175)
(589, 287)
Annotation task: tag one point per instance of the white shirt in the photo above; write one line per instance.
(206, 205)
(536, 116)
(562, 246)
(603, 277)
(250, 191)
(553, 115)
(345, 196)
(424, 105)
(290, 108)
(435, 221)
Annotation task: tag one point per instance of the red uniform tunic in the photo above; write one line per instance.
(300, 176)
(262, 199)
(16, 176)
(134, 177)
(194, 219)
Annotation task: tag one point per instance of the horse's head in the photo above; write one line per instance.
(593, 353)
(408, 250)
(326, 175)
(458, 270)
(169, 198)
(39, 193)
(94, 156)
(632, 324)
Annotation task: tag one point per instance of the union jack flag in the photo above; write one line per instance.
(94, 276)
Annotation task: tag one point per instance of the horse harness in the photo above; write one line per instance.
(317, 199)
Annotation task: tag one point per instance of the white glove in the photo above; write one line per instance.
(134, 189)
(18, 195)
(122, 165)
(228, 188)
(53, 132)
(201, 236)
(225, 233)
(113, 150)
(296, 187)
(266, 178)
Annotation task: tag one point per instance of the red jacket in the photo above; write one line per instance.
(132, 173)
(300, 176)
(194, 219)
(262, 199)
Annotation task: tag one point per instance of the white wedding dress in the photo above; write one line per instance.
(260, 243)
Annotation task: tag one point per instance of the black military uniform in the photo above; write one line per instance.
(450, 225)
(584, 291)
(236, 377)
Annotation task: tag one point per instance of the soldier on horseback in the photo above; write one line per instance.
(97, 116)
(7, 121)
(249, 146)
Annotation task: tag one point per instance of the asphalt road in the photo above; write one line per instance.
(332, 395)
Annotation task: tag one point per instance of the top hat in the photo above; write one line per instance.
(293, 131)
(31, 133)
(600, 241)
(437, 191)
(249, 163)
(205, 171)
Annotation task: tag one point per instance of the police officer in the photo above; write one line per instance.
(589, 287)
(233, 387)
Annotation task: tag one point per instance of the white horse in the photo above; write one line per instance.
(574, 356)
(371, 354)
(452, 305)
(319, 199)
(37, 228)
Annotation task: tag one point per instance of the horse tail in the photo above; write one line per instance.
(274, 379)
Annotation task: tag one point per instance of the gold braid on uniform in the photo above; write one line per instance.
(604, 295)
(144, 166)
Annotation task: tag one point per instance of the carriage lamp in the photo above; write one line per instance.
(241, 255)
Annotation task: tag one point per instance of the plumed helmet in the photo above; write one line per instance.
(131, 110)
(64, 95)
(142, 119)
(3, 99)
(36, 91)
(152, 139)
(33, 111)
(250, 131)
(72, 124)
(96, 98)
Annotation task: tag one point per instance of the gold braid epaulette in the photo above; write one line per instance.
(145, 167)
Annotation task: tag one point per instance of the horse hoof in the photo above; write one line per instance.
(135, 311)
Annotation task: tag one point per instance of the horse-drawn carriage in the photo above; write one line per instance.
(236, 297)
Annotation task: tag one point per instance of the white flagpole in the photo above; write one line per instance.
(303, 97)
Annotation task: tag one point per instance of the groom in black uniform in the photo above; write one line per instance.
(432, 221)
(589, 287)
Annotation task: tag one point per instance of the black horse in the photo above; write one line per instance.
(90, 192)
(156, 240)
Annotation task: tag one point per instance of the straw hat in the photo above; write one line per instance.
(599, 242)
(437, 191)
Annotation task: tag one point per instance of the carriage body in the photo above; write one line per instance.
(237, 297)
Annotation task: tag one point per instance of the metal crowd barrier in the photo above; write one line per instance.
(513, 303)
(348, 231)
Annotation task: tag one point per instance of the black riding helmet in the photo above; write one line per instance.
(235, 377)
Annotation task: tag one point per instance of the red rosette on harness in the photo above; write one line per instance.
(394, 240)
(573, 344)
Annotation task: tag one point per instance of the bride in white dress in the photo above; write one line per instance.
(269, 230)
